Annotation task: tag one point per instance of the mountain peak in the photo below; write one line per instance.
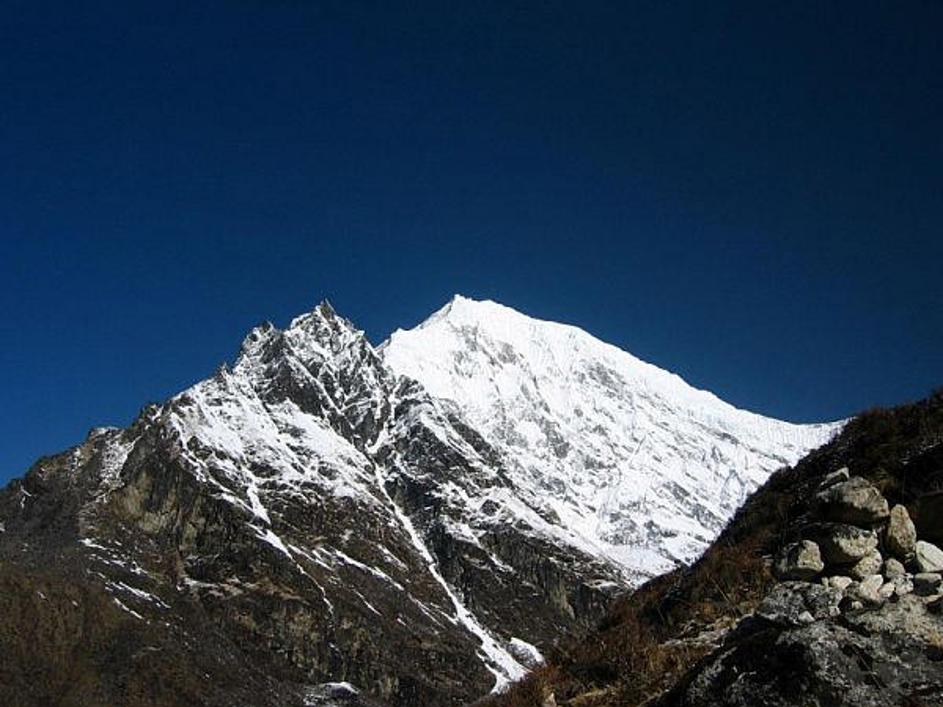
(606, 437)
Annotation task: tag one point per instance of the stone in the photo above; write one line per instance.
(788, 603)
(842, 544)
(902, 585)
(856, 501)
(872, 563)
(869, 590)
(900, 537)
(927, 583)
(800, 561)
(840, 582)
(836, 477)
(894, 568)
(887, 590)
(928, 557)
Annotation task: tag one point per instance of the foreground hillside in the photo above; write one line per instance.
(800, 601)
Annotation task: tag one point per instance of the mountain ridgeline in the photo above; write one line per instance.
(328, 522)
(824, 589)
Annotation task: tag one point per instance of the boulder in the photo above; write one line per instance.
(928, 557)
(872, 563)
(894, 568)
(856, 501)
(800, 561)
(842, 544)
(900, 537)
(868, 590)
(927, 583)
(840, 582)
(793, 603)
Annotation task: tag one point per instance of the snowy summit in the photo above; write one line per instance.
(635, 463)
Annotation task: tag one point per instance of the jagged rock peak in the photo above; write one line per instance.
(318, 336)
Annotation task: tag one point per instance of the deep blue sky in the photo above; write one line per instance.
(749, 194)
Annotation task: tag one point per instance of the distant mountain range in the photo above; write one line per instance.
(329, 522)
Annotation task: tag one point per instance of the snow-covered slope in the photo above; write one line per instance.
(630, 458)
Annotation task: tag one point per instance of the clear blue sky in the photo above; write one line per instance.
(749, 194)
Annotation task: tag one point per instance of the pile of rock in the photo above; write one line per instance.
(856, 552)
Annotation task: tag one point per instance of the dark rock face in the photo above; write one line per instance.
(304, 520)
(886, 657)
(876, 641)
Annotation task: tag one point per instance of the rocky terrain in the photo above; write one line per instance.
(312, 525)
(825, 589)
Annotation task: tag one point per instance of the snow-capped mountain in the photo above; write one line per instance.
(644, 468)
(330, 522)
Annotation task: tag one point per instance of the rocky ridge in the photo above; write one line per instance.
(825, 589)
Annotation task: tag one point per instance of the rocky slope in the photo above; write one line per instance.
(312, 527)
(825, 589)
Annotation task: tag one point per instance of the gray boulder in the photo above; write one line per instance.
(868, 590)
(842, 544)
(856, 501)
(800, 561)
(840, 582)
(928, 557)
(901, 535)
(870, 564)
(894, 568)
